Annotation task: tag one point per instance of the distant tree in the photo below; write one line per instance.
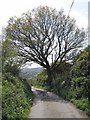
(44, 33)
(10, 61)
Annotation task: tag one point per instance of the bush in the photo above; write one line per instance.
(16, 94)
(15, 102)
(40, 80)
(82, 104)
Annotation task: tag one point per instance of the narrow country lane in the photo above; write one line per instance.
(49, 105)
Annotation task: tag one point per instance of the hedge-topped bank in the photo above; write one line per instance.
(16, 97)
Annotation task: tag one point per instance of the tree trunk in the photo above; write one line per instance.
(49, 80)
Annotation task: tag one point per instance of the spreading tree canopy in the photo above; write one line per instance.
(44, 33)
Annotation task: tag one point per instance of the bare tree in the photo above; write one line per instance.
(45, 32)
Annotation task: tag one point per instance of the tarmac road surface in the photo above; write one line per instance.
(48, 105)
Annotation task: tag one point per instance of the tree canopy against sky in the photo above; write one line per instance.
(45, 32)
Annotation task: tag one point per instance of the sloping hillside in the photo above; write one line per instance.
(30, 72)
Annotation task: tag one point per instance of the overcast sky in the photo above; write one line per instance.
(10, 8)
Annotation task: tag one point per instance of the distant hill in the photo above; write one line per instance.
(30, 72)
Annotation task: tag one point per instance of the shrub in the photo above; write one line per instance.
(15, 102)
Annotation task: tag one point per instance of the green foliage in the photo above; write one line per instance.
(42, 77)
(82, 104)
(81, 86)
(16, 93)
(72, 82)
(40, 80)
(15, 98)
(80, 83)
(81, 65)
(8, 67)
(81, 74)
(60, 80)
(10, 61)
(79, 92)
(8, 51)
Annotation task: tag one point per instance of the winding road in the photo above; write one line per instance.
(48, 105)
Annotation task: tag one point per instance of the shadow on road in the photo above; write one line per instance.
(40, 95)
